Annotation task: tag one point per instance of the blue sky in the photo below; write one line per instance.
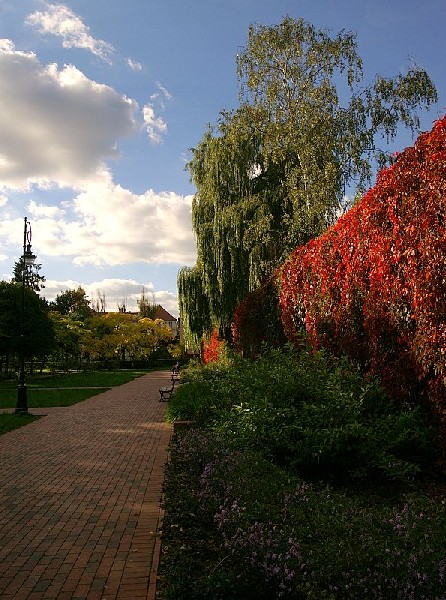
(100, 102)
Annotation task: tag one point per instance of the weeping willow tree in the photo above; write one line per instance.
(194, 306)
(272, 174)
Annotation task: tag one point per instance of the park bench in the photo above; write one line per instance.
(166, 392)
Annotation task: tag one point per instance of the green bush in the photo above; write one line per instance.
(311, 413)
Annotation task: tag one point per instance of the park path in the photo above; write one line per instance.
(80, 494)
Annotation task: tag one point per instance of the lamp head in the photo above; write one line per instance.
(28, 256)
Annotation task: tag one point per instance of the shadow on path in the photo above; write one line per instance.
(80, 497)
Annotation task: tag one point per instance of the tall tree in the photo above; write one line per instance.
(146, 307)
(194, 307)
(29, 274)
(273, 173)
(24, 321)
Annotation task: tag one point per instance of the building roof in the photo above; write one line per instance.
(162, 313)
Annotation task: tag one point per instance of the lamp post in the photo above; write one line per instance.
(28, 259)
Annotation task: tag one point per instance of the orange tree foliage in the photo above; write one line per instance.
(212, 348)
(373, 286)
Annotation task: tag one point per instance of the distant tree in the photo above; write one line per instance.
(146, 307)
(69, 337)
(74, 303)
(22, 311)
(117, 336)
(122, 305)
(100, 303)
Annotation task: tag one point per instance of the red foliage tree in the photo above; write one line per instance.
(374, 285)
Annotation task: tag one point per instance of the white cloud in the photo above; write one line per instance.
(160, 96)
(42, 211)
(6, 45)
(107, 225)
(3, 200)
(56, 125)
(134, 65)
(155, 126)
(61, 21)
(167, 95)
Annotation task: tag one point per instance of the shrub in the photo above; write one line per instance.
(312, 413)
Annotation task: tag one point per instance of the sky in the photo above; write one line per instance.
(102, 100)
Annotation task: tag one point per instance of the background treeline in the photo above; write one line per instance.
(68, 333)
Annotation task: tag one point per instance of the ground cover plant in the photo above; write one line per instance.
(258, 508)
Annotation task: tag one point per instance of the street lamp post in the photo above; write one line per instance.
(28, 259)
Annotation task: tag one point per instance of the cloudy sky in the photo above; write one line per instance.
(101, 100)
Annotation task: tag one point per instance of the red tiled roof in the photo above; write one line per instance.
(162, 313)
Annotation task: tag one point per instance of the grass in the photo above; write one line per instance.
(58, 390)
(41, 398)
(10, 422)
(87, 379)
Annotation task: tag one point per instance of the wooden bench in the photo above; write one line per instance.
(166, 392)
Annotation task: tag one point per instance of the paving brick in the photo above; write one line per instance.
(80, 497)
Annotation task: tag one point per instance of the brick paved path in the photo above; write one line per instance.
(80, 497)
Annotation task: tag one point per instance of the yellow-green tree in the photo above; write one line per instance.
(121, 336)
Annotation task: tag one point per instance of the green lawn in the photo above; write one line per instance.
(40, 398)
(77, 379)
(10, 422)
(60, 390)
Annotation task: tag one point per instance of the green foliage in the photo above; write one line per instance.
(23, 311)
(195, 321)
(74, 303)
(69, 335)
(116, 336)
(28, 274)
(272, 174)
(311, 413)
(146, 307)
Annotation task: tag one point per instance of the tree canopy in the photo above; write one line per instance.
(23, 311)
(29, 274)
(74, 303)
(272, 174)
